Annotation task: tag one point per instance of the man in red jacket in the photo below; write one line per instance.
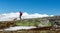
(20, 15)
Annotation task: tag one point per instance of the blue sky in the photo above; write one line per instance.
(30, 6)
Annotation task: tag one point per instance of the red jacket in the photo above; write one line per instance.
(20, 13)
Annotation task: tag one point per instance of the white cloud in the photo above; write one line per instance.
(11, 16)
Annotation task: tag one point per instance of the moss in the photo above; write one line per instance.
(29, 23)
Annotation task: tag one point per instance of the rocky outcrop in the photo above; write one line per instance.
(7, 24)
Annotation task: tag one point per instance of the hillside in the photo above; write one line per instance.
(31, 25)
(24, 22)
(46, 21)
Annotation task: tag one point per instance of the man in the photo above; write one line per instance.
(20, 15)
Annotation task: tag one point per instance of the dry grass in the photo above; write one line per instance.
(31, 31)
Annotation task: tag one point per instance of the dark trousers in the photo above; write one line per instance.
(20, 17)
